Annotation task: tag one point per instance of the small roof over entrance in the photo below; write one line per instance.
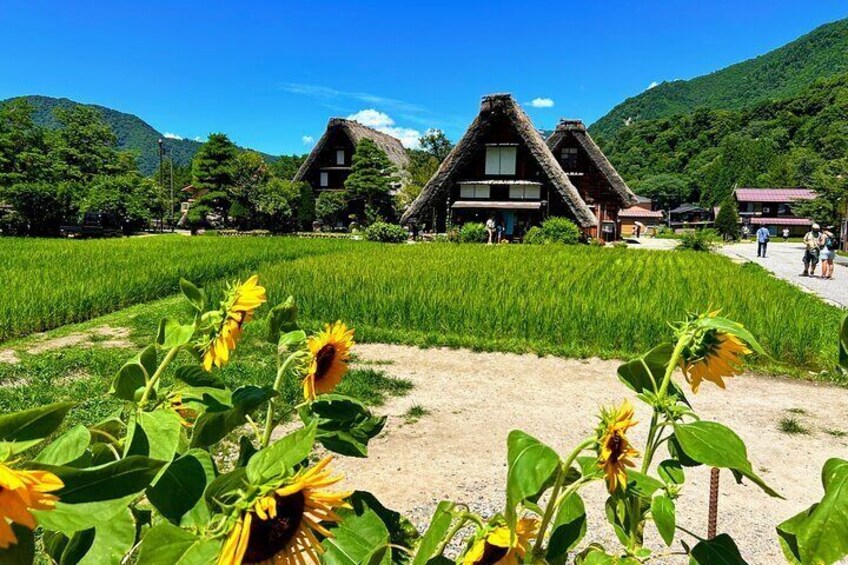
(496, 205)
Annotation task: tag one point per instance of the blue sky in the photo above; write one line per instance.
(270, 74)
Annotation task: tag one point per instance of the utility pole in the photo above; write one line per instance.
(161, 179)
(171, 163)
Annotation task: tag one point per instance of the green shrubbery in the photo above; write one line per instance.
(698, 240)
(386, 233)
(473, 232)
(553, 230)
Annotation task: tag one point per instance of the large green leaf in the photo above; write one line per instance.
(107, 482)
(113, 539)
(173, 334)
(720, 550)
(820, 534)
(641, 484)
(181, 486)
(166, 544)
(402, 532)
(193, 294)
(440, 525)
(214, 425)
(662, 511)
(194, 375)
(361, 537)
(345, 425)
(33, 425)
(715, 445)
(68, 447)
(530, 466)
(132, 377)
(645, 373)
(671, 472)
(568, 528)
(70, 518)
(154, 434)
(281, 456)
(734, 328)
(220, 491)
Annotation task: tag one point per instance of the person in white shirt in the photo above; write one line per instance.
(490, 227)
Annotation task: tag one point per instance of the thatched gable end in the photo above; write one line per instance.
(356, 132)
(574, 129)
(493, 106)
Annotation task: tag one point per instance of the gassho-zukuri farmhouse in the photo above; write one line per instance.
(501, 168)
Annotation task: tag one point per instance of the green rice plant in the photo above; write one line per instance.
(576, 301)
(792, 426)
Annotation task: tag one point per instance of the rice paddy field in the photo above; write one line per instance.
(571, 301)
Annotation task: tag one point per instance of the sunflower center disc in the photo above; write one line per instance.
(270, 537)
(492, 554)
(324, 360)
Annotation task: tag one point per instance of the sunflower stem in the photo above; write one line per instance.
(562, 473)
(464, 518)
(172, 353)
(682, 342)
(272, 404)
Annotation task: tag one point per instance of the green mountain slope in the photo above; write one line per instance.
(778, 74)
(133, 133)
(798, 141)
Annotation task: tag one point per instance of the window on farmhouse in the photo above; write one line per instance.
(500, 160)
(325, 179)
(524, 192)
(569, 158)
(474, 191)
(340, 157)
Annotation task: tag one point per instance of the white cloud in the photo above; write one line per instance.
(542, 103)
(653, 84)
(198, 138)
(307, 140)
(169, 135)
(381, 121)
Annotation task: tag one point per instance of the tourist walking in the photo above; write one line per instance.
(490, 229)
(828, 250)
(762, 241)
(500, 229)
(812, 247)
(785, 235)
(745, 232)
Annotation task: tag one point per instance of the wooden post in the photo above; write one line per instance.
(712, 519)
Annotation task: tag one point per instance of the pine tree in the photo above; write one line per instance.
(213, 169)
(369, 185)
(727, 220)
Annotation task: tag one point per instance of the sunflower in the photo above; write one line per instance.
(716, 355)
(330, 351)
(242, 300)
(501, 546)
(281, 526)
(21, 491)
(614, 450)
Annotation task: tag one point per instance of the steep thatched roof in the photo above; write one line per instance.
(495, 105)
(356, 132)
(578, 131)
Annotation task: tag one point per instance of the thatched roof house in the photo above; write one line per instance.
(503, 168)
(500, 166)
(329, 163)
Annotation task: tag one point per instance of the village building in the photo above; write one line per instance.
(503, 169)
(329, 163)
(640, 218)
(691, 216)
(772, 207)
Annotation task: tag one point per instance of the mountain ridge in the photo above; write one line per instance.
(132, 132)
(780, 73)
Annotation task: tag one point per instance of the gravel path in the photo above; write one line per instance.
(458, 450)
(784, 260)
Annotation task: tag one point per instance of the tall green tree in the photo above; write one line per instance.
(286, 166)
(369, 185)
(24, 149)
(436, 143)
(830, 182)
(213, 170)
(665, 190)
(727, 220)
(85, 146)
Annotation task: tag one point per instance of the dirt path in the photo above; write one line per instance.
(458, 450)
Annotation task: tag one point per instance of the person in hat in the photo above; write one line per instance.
(812, 246)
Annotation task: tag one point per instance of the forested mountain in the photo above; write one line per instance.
(779, 74)
(799, 141)
(132, 132)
